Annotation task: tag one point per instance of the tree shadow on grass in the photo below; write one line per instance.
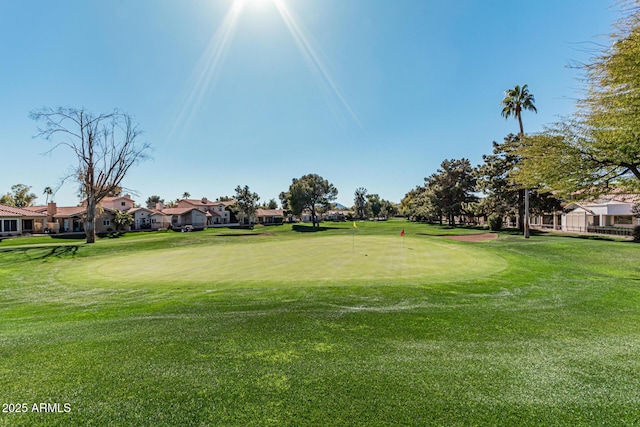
(607, 239)
(111, 234)
(42, 253)
(311, 229)
(69, 236)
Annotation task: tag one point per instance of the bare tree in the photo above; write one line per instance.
(105, 145)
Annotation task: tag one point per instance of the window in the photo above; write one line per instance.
(123, 204)
(623, 219)
(10, 225)
(106, 222)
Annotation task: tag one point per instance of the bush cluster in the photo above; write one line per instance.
(495, 222)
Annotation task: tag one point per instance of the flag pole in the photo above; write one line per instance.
(353, 247)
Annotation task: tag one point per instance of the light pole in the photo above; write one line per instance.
(526, 213)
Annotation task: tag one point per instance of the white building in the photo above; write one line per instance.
(598, 216)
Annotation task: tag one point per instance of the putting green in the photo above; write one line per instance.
(262, 259)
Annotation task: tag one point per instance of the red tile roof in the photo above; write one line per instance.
(206, 202)
(179, 211)
(40, 209)
(269, 212)
(62, 212)
(12, 211)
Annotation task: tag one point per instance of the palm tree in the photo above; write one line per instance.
(48, 191)
(360, 201)
(515, 100)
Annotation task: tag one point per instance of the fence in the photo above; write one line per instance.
(615, 231)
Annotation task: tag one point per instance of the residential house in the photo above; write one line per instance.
(141, 218)
(217, 213)
(607, 214)
(269, 216)
(120, 203)
(18, 221)
(306, 216)
(546, 221)
(191, 217)
(335, 215)
(160, 221)
(70, 219)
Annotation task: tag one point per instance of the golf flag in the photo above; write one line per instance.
(355, 225)
(402, 233)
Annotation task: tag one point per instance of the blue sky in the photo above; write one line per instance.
(366, 93)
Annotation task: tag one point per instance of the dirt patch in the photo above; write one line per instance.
(474, 237)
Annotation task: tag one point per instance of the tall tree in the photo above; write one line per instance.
(599, 145)
(410, 202)
(272, 204)
(246, 202)
(514, 101)
(450, 189)
(374, 204)
(496, 181)
(387, 208)
(309, 191)
(20, 196)
(186, 195)
(105, 146)
(152, 201)
(360, 202)
(48, 191)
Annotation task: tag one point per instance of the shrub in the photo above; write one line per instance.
(636, 233)
(495, 222)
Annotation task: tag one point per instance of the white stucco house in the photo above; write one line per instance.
(586, 217)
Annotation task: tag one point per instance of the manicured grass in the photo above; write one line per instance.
(264, 261)
(311, 332)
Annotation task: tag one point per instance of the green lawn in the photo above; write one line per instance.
(285, 327)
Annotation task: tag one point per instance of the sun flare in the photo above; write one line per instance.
(252, 3)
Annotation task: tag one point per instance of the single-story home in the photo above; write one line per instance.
(335, 215)
(17, 221)
(593, 216)
(269, 216)
(69, 219)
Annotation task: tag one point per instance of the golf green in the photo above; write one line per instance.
(268, 261)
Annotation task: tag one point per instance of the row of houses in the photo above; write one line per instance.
(185, 214)
(612, 213)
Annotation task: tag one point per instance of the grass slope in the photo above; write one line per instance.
(548, 336)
